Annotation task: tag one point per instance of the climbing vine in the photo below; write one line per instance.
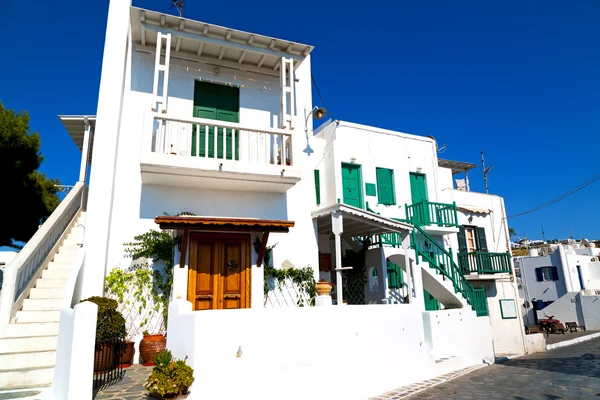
(302, 278)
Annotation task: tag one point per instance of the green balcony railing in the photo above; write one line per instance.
(483, 262)
(430, 213)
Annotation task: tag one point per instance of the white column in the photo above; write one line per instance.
(337, 227)
(108, 119)
(85, 150)
(406, 247)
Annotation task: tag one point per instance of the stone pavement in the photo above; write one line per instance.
(130, 388)
(566, 373)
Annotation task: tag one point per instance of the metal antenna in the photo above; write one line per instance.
(543, 234)
(179, 5)
(485, 173)
(570, 234)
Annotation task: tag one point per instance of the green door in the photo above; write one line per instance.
(431, 303)
(352, 185)
(418, 192)
(218, 102)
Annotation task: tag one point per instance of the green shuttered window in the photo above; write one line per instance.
(318, 186)
(385, 186)
(395, 277)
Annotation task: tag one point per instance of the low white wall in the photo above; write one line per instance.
(349, 352)
(590, 306)
(535, 343)
(459, 333)
(75, 352)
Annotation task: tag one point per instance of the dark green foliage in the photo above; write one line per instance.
(170, 377)
(110, 322)
(32, 195)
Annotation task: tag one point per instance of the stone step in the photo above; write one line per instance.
(37, 316)
(31, 329)
(61, 265)
(41, 304)
(46, 293)
(30, 359)
(26, 377)
(64, 258)
(28, 343)
(56, 274)
(51, 283)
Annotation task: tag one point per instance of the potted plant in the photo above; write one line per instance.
(110, 325)
(150, 346)
(170, 378)
(323, 287)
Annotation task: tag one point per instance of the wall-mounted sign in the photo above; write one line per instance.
(508, 309)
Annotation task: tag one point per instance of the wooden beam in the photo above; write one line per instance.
(276, 66)
(222, 42)
(289, 48)
(262, 60)
(205, 30)
(251, 39)
(228, 35)
(241, 60)
(200, 48)
(263, 246)
(222, 53)
(184, 246)
(163, 20)
(178, 44)
(181, 24)
(142, 30)
(185, 55)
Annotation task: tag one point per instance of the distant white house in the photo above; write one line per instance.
(552, 285)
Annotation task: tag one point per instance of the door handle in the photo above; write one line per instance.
(204, 297)
(232, 296)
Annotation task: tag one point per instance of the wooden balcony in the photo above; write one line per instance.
(205, 153)
(484, 263)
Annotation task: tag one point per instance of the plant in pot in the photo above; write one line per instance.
(323, 287)
(170, 378)
(150, 346)
(110, 325)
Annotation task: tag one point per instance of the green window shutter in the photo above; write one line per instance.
(481, 241)
(370, 189)
(385, 186)
(462, 240)
(318, 185)
(395, 277)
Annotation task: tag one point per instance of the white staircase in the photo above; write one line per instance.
(28, 343)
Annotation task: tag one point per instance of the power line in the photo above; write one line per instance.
(320, 96)
(561, 197)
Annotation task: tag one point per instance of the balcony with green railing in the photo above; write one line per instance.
(429, 213)
(484, 263)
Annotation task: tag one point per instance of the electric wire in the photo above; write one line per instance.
(320, 96)
(561, 197)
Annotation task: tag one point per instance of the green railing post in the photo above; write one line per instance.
(455, 213)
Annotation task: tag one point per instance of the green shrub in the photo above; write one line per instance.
(110, 322)
(169, 377)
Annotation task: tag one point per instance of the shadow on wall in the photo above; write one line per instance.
(156, 200)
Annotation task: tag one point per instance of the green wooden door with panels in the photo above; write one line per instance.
(418, 193)
(352, 185)
(221, 103)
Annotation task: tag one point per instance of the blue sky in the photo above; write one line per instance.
(520, 80)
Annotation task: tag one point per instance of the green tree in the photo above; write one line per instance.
(28, 196)
(512, 233)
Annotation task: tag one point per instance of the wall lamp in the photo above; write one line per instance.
(317, 113)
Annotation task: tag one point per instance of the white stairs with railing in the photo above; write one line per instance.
(33, 293)
(28, 344)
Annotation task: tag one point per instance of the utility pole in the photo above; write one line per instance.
(485, 172)
(570, 234)
(179, 5)
(543, 234)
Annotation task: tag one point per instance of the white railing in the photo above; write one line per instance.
(212, 139)
(20, 275)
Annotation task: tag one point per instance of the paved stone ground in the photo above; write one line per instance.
(571, 372)
(130, 388)
(555, 338)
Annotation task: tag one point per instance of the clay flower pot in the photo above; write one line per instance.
(127, 357)
(150, 345)
(104, 357)
(323, 288)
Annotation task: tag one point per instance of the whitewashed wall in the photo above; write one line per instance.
(344, 352)
(590, 306)
(566, 309)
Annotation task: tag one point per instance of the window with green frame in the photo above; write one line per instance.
(385, 186)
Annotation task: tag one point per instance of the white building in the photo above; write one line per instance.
(552, 285)
(217, 122)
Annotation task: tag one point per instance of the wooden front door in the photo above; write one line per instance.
(219, 273)
(418, 194)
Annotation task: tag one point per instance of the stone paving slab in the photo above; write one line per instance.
(131, 387)
(566, 373)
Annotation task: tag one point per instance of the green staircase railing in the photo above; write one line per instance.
(427, 249)
(430, 213)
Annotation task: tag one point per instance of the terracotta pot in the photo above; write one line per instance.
(150, 346)
(323, 288)
(104, 358)
(158, 396)
(127, 357)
